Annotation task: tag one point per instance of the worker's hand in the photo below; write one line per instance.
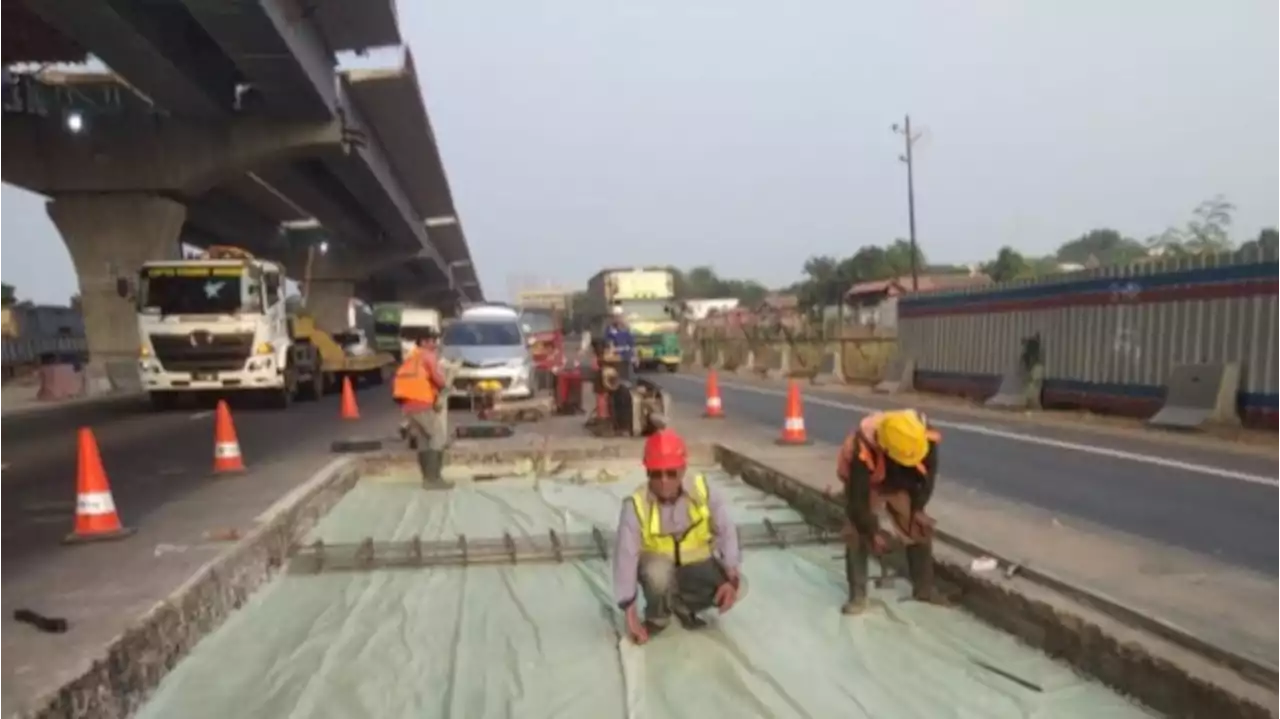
(635, 628)
(727, 593)
(923, 525)
(879, 543)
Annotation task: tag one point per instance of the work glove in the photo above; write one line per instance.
(727, 593)
(635, 628)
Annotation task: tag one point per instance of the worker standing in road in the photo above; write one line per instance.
(888, 465)
(419, 388)
(619, 335)
(676, 542)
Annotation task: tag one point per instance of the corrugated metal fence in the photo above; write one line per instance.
(1109, 336)
(19, 351)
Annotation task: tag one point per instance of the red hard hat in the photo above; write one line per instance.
(665, 450)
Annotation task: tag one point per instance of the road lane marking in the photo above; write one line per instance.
(1018, 437)
(201, 415)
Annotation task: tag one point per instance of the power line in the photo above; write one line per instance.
(909, 139)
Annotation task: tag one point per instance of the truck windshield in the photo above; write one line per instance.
(195, 291)
(539, 321)
(644, 310)
(482, 334)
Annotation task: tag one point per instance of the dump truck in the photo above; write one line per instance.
(220, 324)
(647, 296)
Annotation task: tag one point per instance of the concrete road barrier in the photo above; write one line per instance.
(899, 376)
(1199, 395)
(1016, 391)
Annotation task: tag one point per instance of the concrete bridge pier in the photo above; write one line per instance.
(110, 236)
(335, 279)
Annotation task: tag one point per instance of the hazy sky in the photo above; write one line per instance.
(749, 135)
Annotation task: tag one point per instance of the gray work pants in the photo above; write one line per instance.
(684, 590)
(428, 430)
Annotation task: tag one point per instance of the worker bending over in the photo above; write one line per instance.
(676, 541)
(889, 464)
(419, 388)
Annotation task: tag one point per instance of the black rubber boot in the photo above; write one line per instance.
(855, 567)
(431, 462)
(920, 566)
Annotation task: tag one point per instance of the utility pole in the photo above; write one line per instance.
(909, 139)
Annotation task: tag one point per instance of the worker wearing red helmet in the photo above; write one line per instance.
(676, 543)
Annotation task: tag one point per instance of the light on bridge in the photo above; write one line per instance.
(75, 122)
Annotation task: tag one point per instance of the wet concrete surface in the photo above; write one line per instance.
(1228, 519)
(159, 466)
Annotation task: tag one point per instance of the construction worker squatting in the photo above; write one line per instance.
(419, 388)
(889, 464)
(676, 543)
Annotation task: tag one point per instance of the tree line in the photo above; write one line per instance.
(1207, 231)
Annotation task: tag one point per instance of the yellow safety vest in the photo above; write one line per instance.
(695, 545)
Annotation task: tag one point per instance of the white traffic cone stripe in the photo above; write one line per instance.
(713, 403)
(226, 450)
(95, 503)
(795, 424)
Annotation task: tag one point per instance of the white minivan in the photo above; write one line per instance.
(491, 346)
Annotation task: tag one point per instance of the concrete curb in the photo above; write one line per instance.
(1163, 675)
(133, 664)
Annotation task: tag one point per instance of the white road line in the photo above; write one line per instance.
(1018, 437)
(201, 415)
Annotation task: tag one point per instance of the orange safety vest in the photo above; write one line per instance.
(863, 442)
(413, 382)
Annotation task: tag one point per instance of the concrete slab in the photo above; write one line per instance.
(540, 640)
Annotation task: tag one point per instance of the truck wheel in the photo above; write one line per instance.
(283, 397)
(313, 388)
(673, 367)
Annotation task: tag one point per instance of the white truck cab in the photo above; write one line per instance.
(218, 323)
(412, 321)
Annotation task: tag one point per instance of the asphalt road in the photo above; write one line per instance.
(153, 458)
(1221, 504)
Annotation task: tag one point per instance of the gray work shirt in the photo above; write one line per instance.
(674, 518)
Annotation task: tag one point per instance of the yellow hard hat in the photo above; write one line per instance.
(903, 436)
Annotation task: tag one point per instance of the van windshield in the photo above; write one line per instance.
(465, 333)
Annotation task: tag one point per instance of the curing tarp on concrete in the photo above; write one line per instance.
(541, 640)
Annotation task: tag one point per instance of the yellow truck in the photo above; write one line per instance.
(647, 296)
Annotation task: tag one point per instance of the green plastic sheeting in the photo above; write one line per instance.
(541, 641)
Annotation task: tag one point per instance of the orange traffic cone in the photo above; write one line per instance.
(226, 448)
(96, 517)
(349, 408)
(793, 425)
(715, 408)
